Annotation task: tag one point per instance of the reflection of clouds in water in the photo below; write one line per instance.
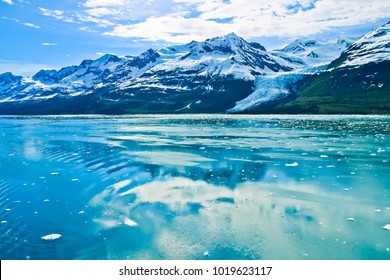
(169, 158)
(179, 187)
(253, 220)
(33, 150)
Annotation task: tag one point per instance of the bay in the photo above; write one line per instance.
(195, 187)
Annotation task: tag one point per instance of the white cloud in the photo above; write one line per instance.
(75, 17)
(180, 21)
(31, 25)
(102, 11)
(251, 19)
(52, 13)
(100, 22)
(8, 2)
(104, 3)
(49, 44)
(18, 21)
(85, 28)
(57, 14)
(130, 10)
(171, 28)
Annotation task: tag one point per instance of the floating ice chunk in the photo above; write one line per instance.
(54, 173)
(377, 210)
(380, 150)
(81, 212)
(324, 156)
(75, 180)
(387, 227)
(350, 219)
(3, 222)
(52, 236)
(129, 222)
(292, 164)
(7, 209)
(46, 200)
(206, 253)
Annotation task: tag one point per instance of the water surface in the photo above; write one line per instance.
(195, 187)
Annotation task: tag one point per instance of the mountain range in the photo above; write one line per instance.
(220, 75)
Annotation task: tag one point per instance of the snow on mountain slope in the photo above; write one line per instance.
(228, 55)
(373, 47)
(8, 82)
(309, 53)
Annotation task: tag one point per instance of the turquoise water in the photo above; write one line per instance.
(195, 187)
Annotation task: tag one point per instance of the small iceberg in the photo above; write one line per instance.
(52, 236)
(387, 227)
(129, 222)
(350, 219)
(292, 164)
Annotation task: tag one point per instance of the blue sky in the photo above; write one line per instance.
(52, 34)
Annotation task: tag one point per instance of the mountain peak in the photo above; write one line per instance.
(232, 35)
(7, 75)
(372, 47)
(108, 58)
(227, 44)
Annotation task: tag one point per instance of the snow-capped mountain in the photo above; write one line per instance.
(374, 47)
(311, 52)
(356, 82)
(209, 76)
(191, 66)
(306, 57)
(220, 74)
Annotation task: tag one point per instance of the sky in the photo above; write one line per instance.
(50, 34)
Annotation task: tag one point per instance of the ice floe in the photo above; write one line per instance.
(129, 222)
(387, 227)
(52, 236)
(292, 164)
